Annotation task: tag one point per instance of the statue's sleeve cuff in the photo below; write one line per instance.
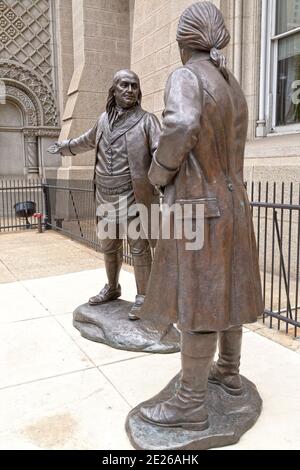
(66, 149)
(72, 153)
(159, 174)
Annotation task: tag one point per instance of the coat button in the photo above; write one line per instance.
(230, 187)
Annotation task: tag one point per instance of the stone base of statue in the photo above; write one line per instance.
(229, 417)
(109, 324)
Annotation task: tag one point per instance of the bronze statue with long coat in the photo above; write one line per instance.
(200, 160)
(213, 291)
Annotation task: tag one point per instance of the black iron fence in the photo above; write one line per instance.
(20, 200)
(69, 207)
(72, 211)
(276, 216)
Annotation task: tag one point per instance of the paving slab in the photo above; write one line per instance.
(63, 294)
(5, 274)
(81, 410)
(274, 370)
(135, 384)
(60, 391)
(17, 304)
(35, 349)
(29, 255)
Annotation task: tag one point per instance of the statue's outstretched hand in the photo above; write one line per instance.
(55, 148)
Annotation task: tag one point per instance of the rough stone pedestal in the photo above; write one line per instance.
(229, 417)
(109, 324)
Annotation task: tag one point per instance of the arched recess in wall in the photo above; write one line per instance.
(30, 94)
(12, 156)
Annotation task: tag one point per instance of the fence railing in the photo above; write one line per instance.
(69, 207)
(276, 216)
(14, 194)
(72, 211)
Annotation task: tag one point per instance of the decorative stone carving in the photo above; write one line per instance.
(28, 105)
(3, 23)
(19, 74)
(31, 149)
(42, 132)
(26, 35)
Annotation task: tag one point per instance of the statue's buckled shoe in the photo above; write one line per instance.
(135, 309)
(107, 294)
(230, 383)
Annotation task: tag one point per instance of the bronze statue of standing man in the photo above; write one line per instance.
(211, 292)
(125, 138)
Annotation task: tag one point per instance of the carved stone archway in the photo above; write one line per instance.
(22, 77)
(30, 114)
(35, 98)
(14, 93)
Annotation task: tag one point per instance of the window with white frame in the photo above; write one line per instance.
(280, 67)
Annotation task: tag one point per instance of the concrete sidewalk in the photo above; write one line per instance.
(60, 391)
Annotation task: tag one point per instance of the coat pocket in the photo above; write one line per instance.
(211, 207)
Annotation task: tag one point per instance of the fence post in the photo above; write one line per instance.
(47, 219)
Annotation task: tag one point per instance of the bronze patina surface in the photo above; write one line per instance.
(212, 291)
(108, 324)
(125, 139)
(230, 417)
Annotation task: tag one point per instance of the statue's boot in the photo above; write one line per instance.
(225, 372)
(186, 409)
(142, 268)
(112, 290)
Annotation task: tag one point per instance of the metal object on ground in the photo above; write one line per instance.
(25, 210)
(13, 191)
(38, 216)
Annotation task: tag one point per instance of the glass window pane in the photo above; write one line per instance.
(288, 82)
(287, 15)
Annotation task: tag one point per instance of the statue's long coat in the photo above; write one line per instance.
(200, 159)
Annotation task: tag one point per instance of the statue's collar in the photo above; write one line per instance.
(127, 120)
(121, 115)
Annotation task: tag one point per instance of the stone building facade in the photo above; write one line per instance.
(29, 115)
(67, 66)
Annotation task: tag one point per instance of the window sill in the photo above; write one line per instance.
(283, 132)
(274, 146)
